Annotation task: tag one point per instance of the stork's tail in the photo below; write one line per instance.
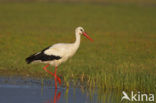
(30, 59)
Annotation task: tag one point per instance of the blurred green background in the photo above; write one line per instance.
(122, 55)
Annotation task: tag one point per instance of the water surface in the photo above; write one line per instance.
(18, 90)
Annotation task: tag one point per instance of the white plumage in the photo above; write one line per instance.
(63, 50)
(58, 53)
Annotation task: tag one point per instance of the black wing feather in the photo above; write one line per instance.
(42, 56)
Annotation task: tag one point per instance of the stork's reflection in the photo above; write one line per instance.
(54, 98)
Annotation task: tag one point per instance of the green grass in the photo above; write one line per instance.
(122, 56)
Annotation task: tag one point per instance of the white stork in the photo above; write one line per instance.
(58, 53)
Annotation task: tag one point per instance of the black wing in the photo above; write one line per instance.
(42, 57)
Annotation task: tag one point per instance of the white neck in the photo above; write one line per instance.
(77, 41)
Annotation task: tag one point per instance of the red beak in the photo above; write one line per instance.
(85, 34)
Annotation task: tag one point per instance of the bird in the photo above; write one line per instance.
(58, 53)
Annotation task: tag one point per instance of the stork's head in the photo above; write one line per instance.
(80, 31)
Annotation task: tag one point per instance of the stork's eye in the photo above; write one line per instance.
(81, 30)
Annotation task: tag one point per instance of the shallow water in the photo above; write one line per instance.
(18, 90)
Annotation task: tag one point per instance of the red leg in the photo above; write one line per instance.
(53, 74)
(55, 77)
(55, 95)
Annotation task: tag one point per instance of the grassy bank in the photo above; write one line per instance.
(122, 56)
